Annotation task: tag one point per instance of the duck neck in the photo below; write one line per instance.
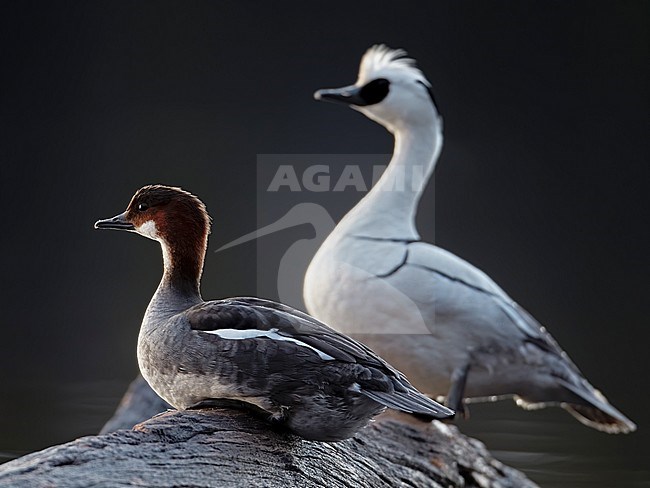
(179, 288)
(389, 209)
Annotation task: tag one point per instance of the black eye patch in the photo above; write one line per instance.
(375, 91)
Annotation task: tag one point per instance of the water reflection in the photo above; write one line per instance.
(548, 445)
(556, 451)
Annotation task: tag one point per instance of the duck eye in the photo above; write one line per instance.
(142, 207)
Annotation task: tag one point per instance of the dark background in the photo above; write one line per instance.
(543, 181)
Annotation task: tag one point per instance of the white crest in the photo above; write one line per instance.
(381, 59)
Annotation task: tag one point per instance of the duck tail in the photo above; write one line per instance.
(411, 401)
(594, 410)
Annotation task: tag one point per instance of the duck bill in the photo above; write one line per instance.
(119, 222)
(348, 95)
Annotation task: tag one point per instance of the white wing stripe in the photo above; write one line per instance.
(237, 334)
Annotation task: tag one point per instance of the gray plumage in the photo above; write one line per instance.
(290, 367)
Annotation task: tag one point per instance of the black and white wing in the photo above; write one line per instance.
(300, 339)
(452, 274)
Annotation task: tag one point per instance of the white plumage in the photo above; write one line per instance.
(439, 319)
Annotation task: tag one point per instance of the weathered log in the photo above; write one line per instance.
(138, 404)
(224, 448)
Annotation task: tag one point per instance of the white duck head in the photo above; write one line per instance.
(390, 90)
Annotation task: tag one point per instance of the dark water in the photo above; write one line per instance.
(556, 451)
(549, 446)
(45, 414)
